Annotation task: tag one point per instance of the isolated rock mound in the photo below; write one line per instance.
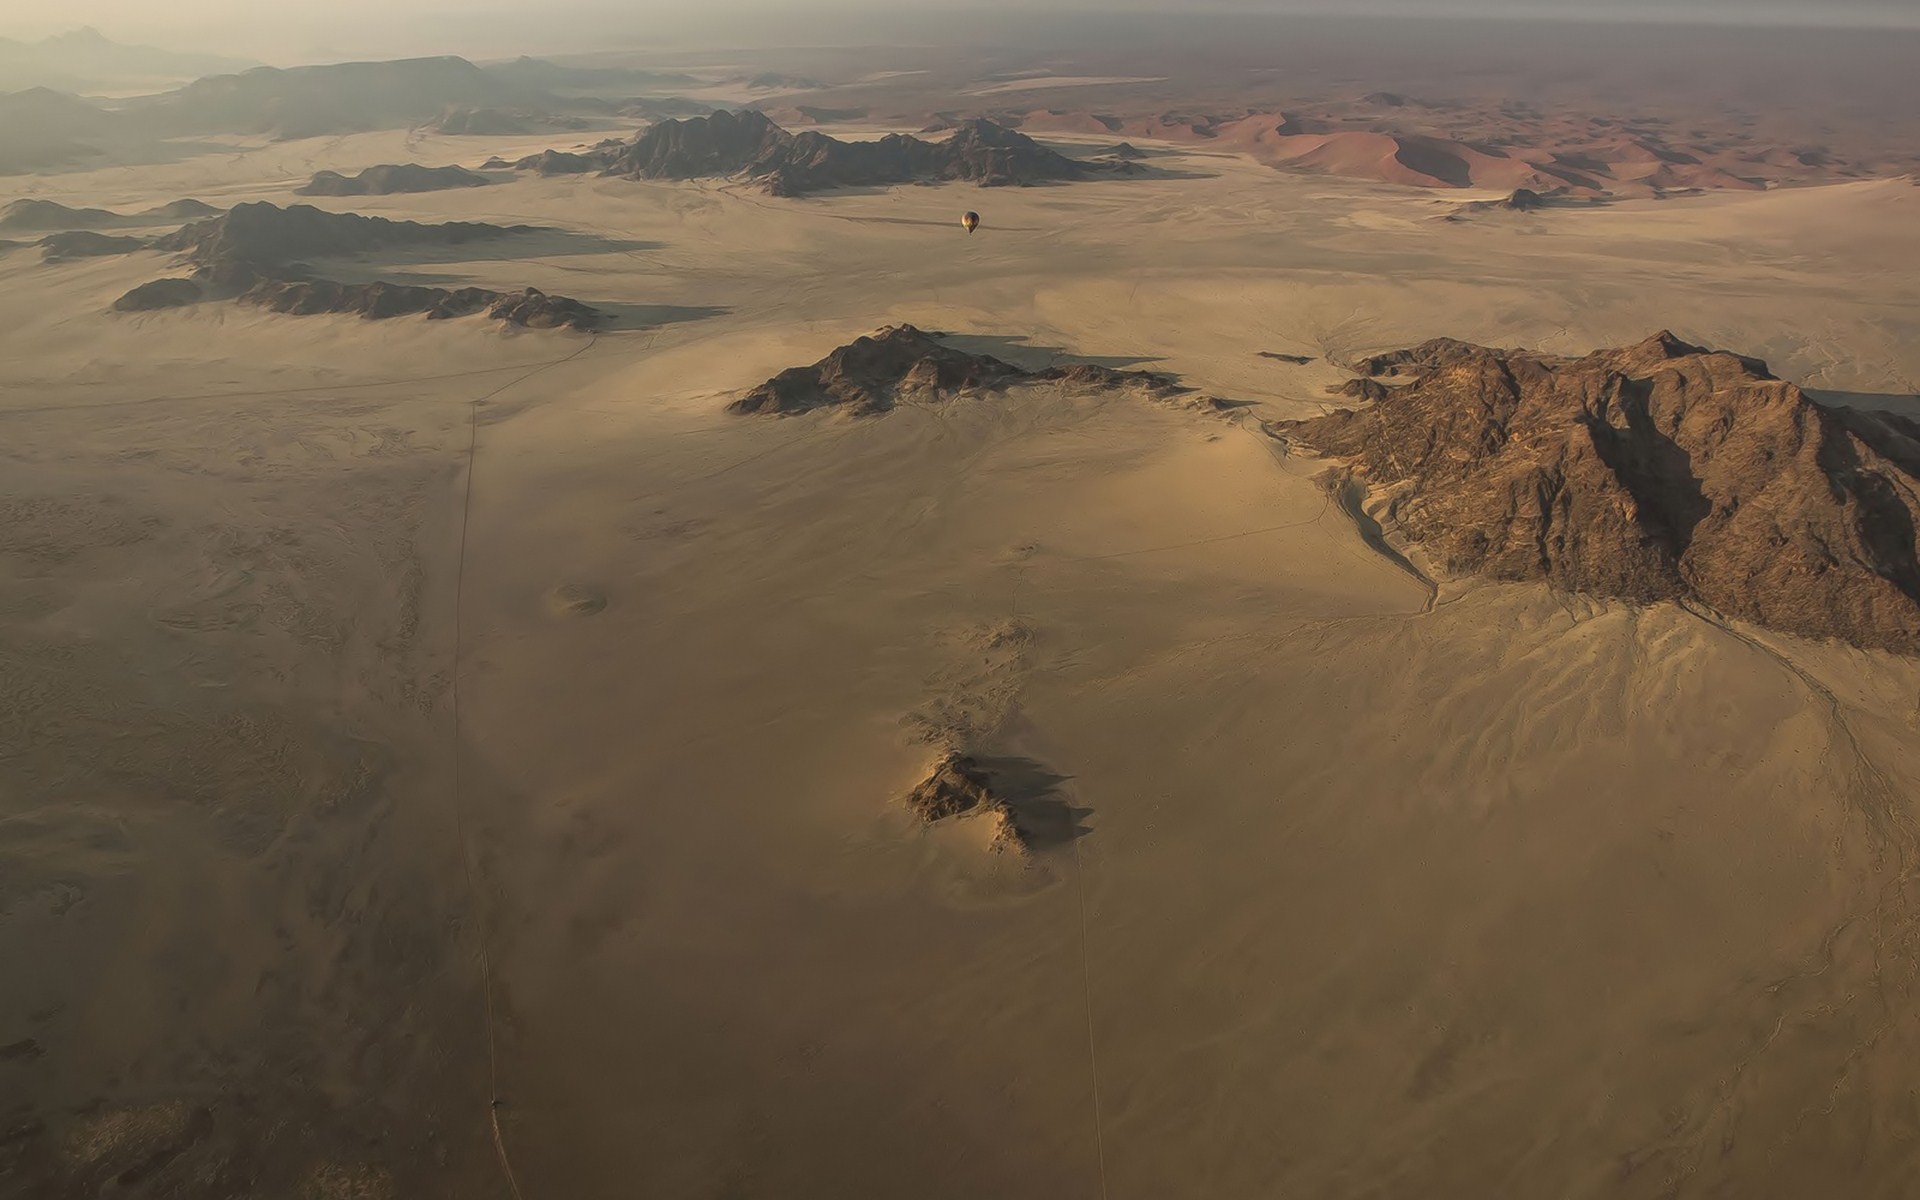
(85, 243)
(390, 179)
(750, 144)
(48, 215)
(957, 787)
(1661, 471)
(866, 376)
(263, 233)
(183, 210)
(380, 300)
(250, 255)
(161, 293)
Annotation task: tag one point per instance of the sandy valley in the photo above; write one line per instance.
(444, 757)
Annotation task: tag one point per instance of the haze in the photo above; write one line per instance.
(370, 28)
(713, 600)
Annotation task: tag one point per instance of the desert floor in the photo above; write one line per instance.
(358, 679)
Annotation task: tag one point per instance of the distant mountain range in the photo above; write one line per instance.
(87, 61)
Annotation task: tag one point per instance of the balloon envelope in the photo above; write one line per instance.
(971, 221)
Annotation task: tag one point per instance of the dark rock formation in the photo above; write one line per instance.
(865, 376)
(560, 162)
(723, 143)
(1660, 471)
(261, 233)
(161, 293)
(392, 179)
(50, 215)
(379, 300)
(183, 210)
(250, 254)
(1360, 389)
(956, 785)
(1525, 200)
(749, 143)
(1296, 359)
(331, 98)
(85, 243)
(1127, 151)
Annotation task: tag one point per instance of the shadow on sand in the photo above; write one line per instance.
(1024, 354)
(653, 316)
(1031, 792)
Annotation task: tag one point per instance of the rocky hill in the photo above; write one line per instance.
(335, 98)
(866, 376)
(750, 144)
(391, 179)
(261, 233)
(1660, 471)
(374, 301)
(251, 254)
(52, 215)
(86, 243)
(378, 300)
(40, 127)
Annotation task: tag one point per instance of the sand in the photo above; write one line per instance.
(347, 667)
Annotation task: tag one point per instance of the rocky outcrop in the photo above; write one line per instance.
(161, 293)
(261, 233)
(251, 254)
(722, 143)
(750, 144)
(560, 162)
(391, 179)
(182, 210)
(957, 786)
(866, 376)
(379, 300)
(1660, 471)
(49, 215)
(85, 243)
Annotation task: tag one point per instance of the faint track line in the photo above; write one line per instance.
(459, 807)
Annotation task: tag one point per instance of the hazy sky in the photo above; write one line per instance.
(330, 28)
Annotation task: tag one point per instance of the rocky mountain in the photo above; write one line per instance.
(750, 144)
(260, 233)
(391, 178)
(336, 98)
(85, 60)
(1659, 471)
(866, 376)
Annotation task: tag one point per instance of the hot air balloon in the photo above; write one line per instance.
(970, 221)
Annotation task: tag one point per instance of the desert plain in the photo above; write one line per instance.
(442, 758)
